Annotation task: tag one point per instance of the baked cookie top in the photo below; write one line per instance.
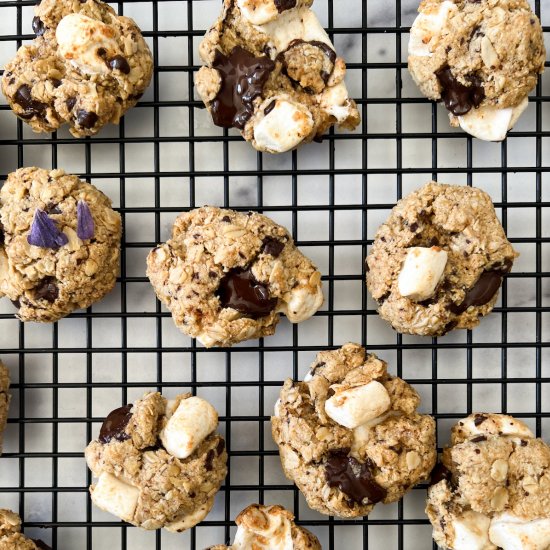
(227, 275)
(438, 261)
(349, 435)
(159, 463)
(492, 489)
(11, 537)
(272, 72)
(61, 243)
(86, 67)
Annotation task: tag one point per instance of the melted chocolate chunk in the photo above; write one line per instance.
(353, 478)
(47, 290)
(38, 26)
(283, 5)
(325, 48)
(459, 99)
(71, 102)
(208, 463)
(41, 544)
(86, 119)
(272, 246)
(24, 99)
(243, 78)
(479, 419)
(119, 63)
(270, 107)
(16, 303)
(220, 447)
(115, 424)
(240, 290)
(481, 293)
(439, 473)
(478, 439)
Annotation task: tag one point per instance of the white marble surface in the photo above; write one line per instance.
(312, 228)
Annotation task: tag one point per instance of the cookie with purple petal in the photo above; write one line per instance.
(60, 244)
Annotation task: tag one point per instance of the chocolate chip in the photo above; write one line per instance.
(226, 219)
(439, 473)
(41, 544)
(506, 266)
(283, 5)
(23, 98)
(459, 99)
(243, 77)
(523, 443)
(413, 228)
(481, 293)
(86, 119)
(272, 246)
(114, 425)
(209, 460)
(16, 303)
(119, 63)
(241, 291)
(70, 102)
(478, 439)
(316, 367)
(212, 274)
(38, 26)
(479, 419)
(220, 447)
(56, 82)
(353, 478)
(47, 290)
(270, 107)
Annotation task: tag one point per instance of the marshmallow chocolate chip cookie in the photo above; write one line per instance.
(438, 261)
(492, 489)
(11, 537)
(4, 400)
(480, 57)
(272, 72)
(60, 243)
(226, 276)
(269, 528)
(349, 435)
(159, 463)
(86, 67)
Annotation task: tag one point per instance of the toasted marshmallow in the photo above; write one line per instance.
(421, 272)
(114, 496)
(356, 406)
(502, 425)
(472, 532)
(258, 12)
(426, 29)
(303, 303)
(491, 123)
(192, 421)
(512, 533)
(186, 522)
(335, 101)
(284, 127)
(87, 43)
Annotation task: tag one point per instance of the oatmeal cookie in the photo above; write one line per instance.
(86, 67)
(159, 463)
(61, 243)
(269, 528)
(11, 537)
(481, 58)
(349, 436)
(492, 488)
(438, 261)
(4, 400)
(226, 276)
(272, 72)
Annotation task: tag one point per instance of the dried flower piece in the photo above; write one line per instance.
(44, 232)
(85, 226)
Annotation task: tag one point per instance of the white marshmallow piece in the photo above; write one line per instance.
(87, 43)
(258, 12)
(335, 101)
(115, 496)
(490, 123)
(190, 520)
(472, 532)
(277, 535)
(284, 127)
(421, 272)
(191, 423)
(303, 303)
(427, 27)
(356, 406)
(502, 424)
(512, 533)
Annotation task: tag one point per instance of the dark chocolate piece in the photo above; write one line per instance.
(38, 26)
(23, 98)
(459, 99)
(481, 293)
(70, 102)
(115, 424)
(270, 107)
(272, 246)
(479, 419)
(85, 118)
(47, 290)
(208, 463)
(220, 447)
(119, 63)
(478, 439)
(439, 473)
(283, 5)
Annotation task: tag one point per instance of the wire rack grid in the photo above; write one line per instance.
(165, 157)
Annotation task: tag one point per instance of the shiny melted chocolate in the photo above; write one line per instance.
(241, 291)
(353, 478)
(115, 424)
(283, 5)
(243, 77)
(481, 293)
(459, 99)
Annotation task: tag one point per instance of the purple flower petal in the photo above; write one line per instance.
(85, 227)
(44, 232)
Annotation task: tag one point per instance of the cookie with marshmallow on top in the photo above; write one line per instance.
(159, 463)
(350, 436)
(438, 261)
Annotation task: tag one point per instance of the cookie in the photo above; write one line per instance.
(492, 489)
(226, 276)
(269, 528)
(349, 435)
(159, 463)
(4, 400)
(272, 72)
(60, 244)
(481, 58)
(86, 67)
(437, 263)
(11, 537)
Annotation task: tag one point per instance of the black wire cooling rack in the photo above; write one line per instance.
(166, 156)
